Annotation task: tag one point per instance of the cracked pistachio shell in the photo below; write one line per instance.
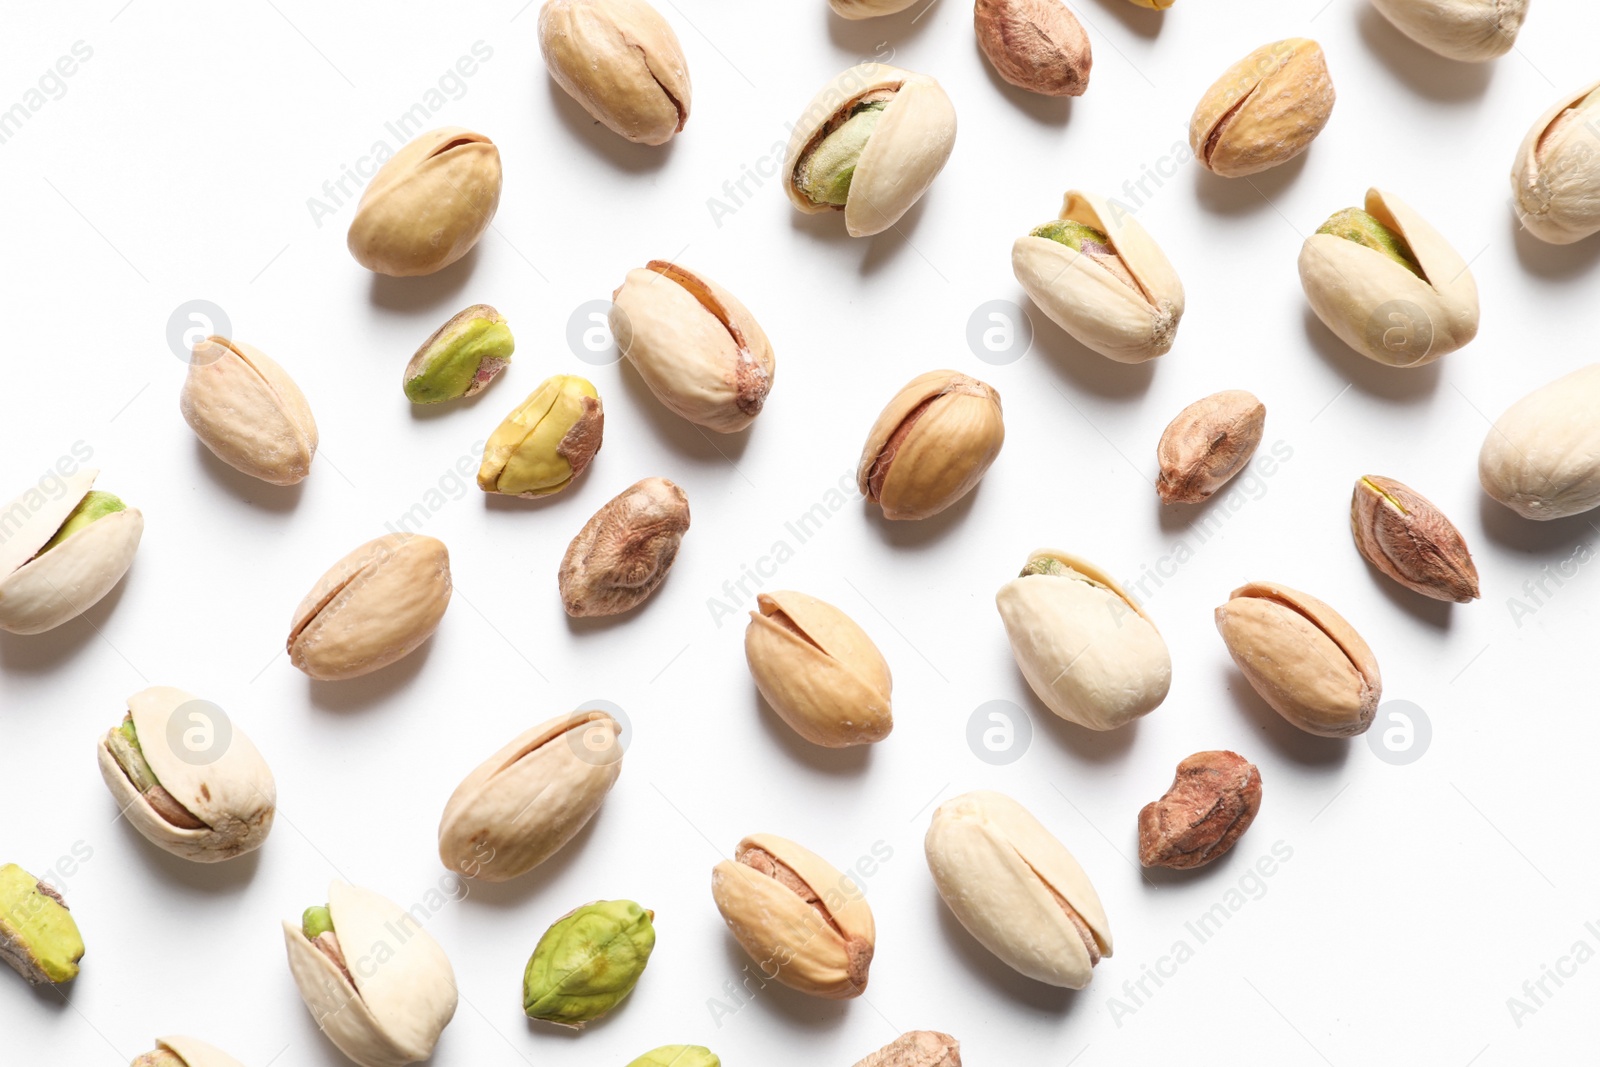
(373, 607)
(1100, 309)
(428, 205)
(546, 442)
(1302, 657)
(696, 346)
(931, 445)
(185, 1052)
(819, 670)
(795, 913)
(39, 939)
(1088, 651)
(621, 61)
(1379, 307)
(404, 991)
(1541, 458)
(460, 358)
(522, 804)
(906, 151)
(232, 791)
(588, 962)
(919, 1048)
(1555, 182)
(248, 411)
(1468, 30)
(1264, 110)
(678, 1056)
(40, 590)
(1017, 889)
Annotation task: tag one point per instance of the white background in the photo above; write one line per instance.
(178, 165)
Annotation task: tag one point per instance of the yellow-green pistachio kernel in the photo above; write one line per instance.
(1356, 225)
(824, 175)
(94, 506)
(588, 962)
(316, 921)
(461, 357)
(1090, 242)
(123, 744)
(678, 1056)
(38, 936)
(546, 442)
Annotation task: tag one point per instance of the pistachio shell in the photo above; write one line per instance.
(621, 61)
(1264, 110)
(196, 1053)
(1555, 182)
(867, 9)
(248, 411)
(546, 442)
(1468, 30)
(1541, 459)
(428, 205)
(819, 670)
(931, 445)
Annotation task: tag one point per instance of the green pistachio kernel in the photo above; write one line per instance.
(126, 750)
(316, 921)
(1075, 235)
(825, 175)
(678, 1056)
(461, 357)
(94, 506)
(38, 936)
(1356, 225)
(1045, 565)
(588, 962)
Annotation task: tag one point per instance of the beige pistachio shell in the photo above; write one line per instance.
(819, 670)
(621, 61)
(521, 805)
(696, 346)
(196, 1053)
(931, 445)
(1264, 110)
(1555, 182)
(1017, 889)
(231, 791)
(405, 989)
(39, 593)
(428, 205)
(1541, 458)
(1098, 309)
(1469, 30)
(248, 411)
(373, 607)
(867, 9)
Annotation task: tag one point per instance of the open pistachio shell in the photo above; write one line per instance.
(819, 670)
(1555, 182)
(428, 205)
(1541, 458)
(1469, 30)
(190, 1052)
(248, 411)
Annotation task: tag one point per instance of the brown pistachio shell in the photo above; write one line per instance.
(1400, 532)
(1213, 800)
(625, 551)
(931, 445)
(1264, 110)
(1208, 443)
(1037, 45)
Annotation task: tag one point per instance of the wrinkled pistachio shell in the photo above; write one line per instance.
(819, 670)
(1541, 458)
(1037, 45)
(38, 937)
(696, 346)
(1017, 889)
(428, 205)
(1208, 443)
(1555, 181)
(1400, 532)
(931, 445)
(919, 1048)
(1468, 30)
(40, 590)
(796, 914)
(588, 962)
(404, 990)
(546, 442)
(248, 411)
(373, 607)
(460, 358)
(1212, 801)
(1264, 110)
(868, 9)
(621, 61)
(678, 1056)
(625, 550)
(1302, 657)
(185, 1052)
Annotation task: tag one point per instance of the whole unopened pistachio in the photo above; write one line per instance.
(376, 982)
(1037, 45)
(931, 445)
(803, 922)
(695, 345)
(625, 550)
(869, 144)
(1087, 650)
(1302, 657)
(60, 554)
(1099, 276)
(1213, 800)
(678, 1056)
(188, 789)
(1468, 30)
(1541, 458)
(39, 939)
(1264, 110)
(819, 670)
(373, 607)
(546, 442)
(1208, 443)
(248, 411)
(185, 1052)
(1388, 284)
(919, 1048)
(621, 61)
(522, 804)
(1401, 533)
(1555, 182)
(428, 205)
(588, 962)
(461, 357)
(1017, 889)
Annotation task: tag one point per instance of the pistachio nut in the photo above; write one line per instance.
(205, 804)
(376, 982)
(1097, 274)
(428, 205)
(522, 804)
(1264, 110)
(1555, 182)
(1088, 651)
(804, 923)
(460, 358)
(919, 1048)
(1400, 532)
(588, 962)
(38, 937)
(819, 670)
(185, 1052)
(931, 445)
(1468, 30)
(546, 442)
(373, 607)
(696, 346)
(1208, 443)
(1388, 285)
(625, 550)
(621, 61)
(1302, 657)
(868, 9)
(678, 1056)
(1213, 800)
(869, 144)
(1017, 889)
(1541, 458)
(59, 555)
(248, 411)
(1037, 45)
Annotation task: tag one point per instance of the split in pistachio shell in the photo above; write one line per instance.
(1555, 182)
(1541, 458)
(38, 937)
(546, 442)
(868, 9)
(461, 357)
(185, 1052)
(248, 411)
(622, 62)
(931, 445)
(428, 205)
(588, 962)
(1468, 30)
(624, 551)
(1264, 110)
(1400, 532)
(819, 670)
(678, 1056)
(95, 506)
